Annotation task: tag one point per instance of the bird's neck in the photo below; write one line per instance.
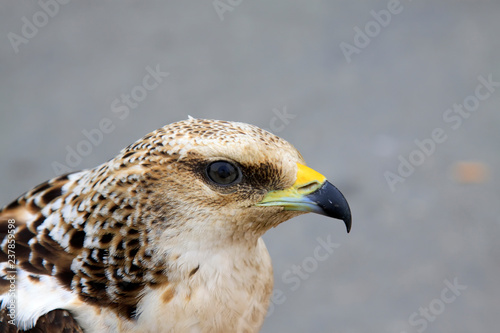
(218, 289)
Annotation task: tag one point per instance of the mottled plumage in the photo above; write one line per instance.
(149, 242)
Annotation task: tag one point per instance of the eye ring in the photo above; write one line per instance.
(223, 173)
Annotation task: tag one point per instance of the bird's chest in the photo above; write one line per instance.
(224, 294)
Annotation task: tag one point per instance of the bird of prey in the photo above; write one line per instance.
(165, 237)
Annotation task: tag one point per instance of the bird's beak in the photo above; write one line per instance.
(311, 192)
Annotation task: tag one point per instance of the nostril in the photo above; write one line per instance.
(309, 188)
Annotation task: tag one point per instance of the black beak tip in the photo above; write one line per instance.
(348, 222)
(332, 203)
(342, 212)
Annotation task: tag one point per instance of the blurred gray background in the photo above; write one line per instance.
(354, 118)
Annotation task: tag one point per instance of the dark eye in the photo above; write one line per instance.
(223, 173)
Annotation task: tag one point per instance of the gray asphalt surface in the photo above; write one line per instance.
(282, 65)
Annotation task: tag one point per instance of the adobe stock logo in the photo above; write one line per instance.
(223, 6)
(281, 119)
(121, 108)
(293, 277)
(454, 118)
(30, 28)
(363, 37)
(428, 314)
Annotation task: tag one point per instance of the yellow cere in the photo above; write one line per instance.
(306, 175)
